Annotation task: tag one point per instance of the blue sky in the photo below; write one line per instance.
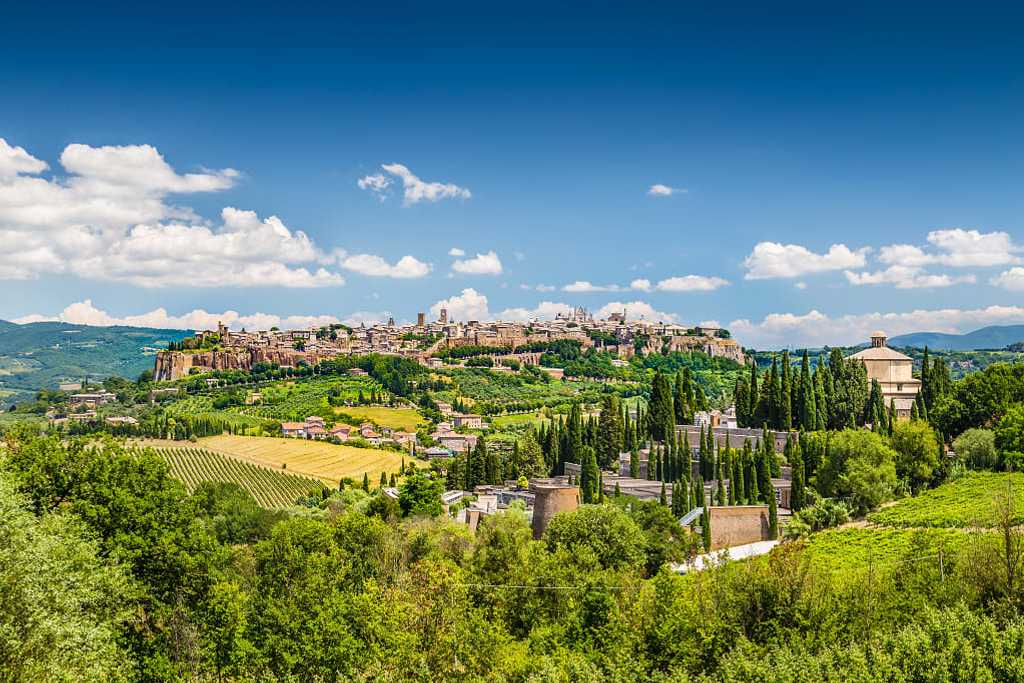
(891, 133)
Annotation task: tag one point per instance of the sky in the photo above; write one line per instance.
(802, 177)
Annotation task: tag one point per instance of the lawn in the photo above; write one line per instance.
(406, 419)
(325, 461)
(506, 421)
(969, 501)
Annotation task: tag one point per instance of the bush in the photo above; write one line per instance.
(977, 449)
(860, 468)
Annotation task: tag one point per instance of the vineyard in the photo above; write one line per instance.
(318, 396)
(271, 489)
(970, 501)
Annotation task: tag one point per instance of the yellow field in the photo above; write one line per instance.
(406, 419)
(324, 461)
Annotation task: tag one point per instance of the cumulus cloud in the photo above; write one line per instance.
(109, 219)
(545, 310)
(587, 287)
(906, 277)
(687, 283)
(85, 313)
(774, 260)
(481, 264)
(414, 190)
(659, 190)
(636, 310)
(368, 264)
(1012, 279)
(455, 251)
(469, 305)
(814, 328)
(956, 247)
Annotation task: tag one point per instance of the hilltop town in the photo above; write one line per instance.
(431, 342)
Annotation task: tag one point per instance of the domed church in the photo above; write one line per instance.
(894, 372)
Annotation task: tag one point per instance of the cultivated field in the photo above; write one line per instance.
(406, 419)
(271, 488)
(325, 461)
(970, 501)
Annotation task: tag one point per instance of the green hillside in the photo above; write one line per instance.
(38, 355)
(992, 337)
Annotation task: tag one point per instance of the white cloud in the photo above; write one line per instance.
(481, 264)
(15, 161)
(641, 284)
(377, 183)
(369, 264)
(636, 310)
(690, 283)
(774, 260)
(109, 219)
(814, 328)
(414, 189)
(906, 277)
(958, 248)
(469, 305)
(1012, 279)
(545, 310)
(455, 251)
(587, 287)
(85, 313)
(659, 190)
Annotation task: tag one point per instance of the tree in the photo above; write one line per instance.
(741, 399)
(420, 495)
(589, 474)
(661, 413)
(786, 406)
(1009, 439)
(705, 528)
(609, 431)
(806, 397)
(798, 493)
(366, 482)
(606, 532)
(773, 517)
(977, 448)
(916, 453)
(634, 464)
(753, 395)
(859, 466)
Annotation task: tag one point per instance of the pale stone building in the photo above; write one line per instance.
(894, 372)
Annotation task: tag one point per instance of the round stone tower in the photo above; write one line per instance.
(549, 500)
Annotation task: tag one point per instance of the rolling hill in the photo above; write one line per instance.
(992, 337)
(38, 355)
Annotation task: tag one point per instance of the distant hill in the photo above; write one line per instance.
(39, 355)
(992, 337)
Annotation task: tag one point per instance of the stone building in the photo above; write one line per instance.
(894, 372)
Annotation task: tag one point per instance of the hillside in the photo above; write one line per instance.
(992, 337)
(38, 355)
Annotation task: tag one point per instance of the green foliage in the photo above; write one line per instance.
(420, 495)
(980, 399)
(1009, 439)
(860, 468)
(917, 452)
(599, 534)
(977, 449)
(62, 605)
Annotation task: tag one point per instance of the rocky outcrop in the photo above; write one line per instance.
(171, 365)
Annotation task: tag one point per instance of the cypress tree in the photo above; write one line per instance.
(741, 399)
(366, 482)
(589, 474)
(798, 493)
(753, 395)
(705, 529)
(773, 517)
(786, 406)
(617, 491)
(663, 499)
(392, 482)
(775, 397)
(383, 480)
(634, 464)
(720, 499)
(807, 416)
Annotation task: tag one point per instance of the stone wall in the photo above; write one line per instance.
(171, 365)
(738, 525)
(548, 501)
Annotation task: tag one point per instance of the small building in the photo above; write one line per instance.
(296, 430)
(70, 386)
(893, 371)
(435, 452)
(469, 421)
(121, 421)
(340, 432)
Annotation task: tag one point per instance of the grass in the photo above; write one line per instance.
(969, 501)
(406, 419)
(856, 549)
(272, 489)
(324, 461)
